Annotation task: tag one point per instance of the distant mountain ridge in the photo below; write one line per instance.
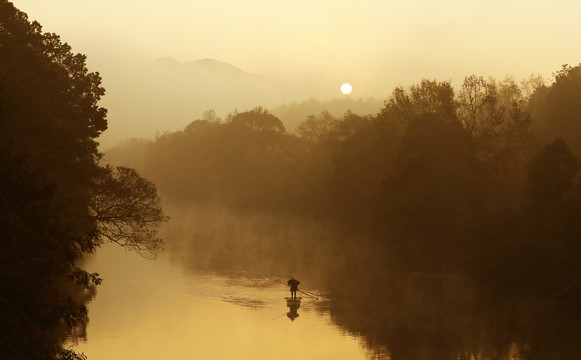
(166, 95)
(208, 64)
(215, 65)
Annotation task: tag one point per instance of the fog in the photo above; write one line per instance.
(444, 199)
(227, 241)
(296, 52)
(432, 213)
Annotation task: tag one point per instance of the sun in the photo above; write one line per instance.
(346, 88)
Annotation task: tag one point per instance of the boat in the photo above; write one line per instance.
(293, 302)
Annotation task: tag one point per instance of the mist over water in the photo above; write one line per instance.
(437, 221)
(151, 308)
(215, 291)
(257, 243)
(429, 227)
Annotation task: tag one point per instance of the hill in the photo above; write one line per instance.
(167, 95)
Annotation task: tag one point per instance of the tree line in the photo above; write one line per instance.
(292, 114)
(480, 180)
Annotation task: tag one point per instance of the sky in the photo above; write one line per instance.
(374, 45)
(398, 42)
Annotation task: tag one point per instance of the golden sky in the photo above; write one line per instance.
(313, 45)
(378, 44)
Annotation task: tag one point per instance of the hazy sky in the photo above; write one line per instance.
(373, 44)
(315, 44)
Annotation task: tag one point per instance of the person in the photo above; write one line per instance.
(294, 287)
(293, 313)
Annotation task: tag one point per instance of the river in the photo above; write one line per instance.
(213, 294)
(155, 309)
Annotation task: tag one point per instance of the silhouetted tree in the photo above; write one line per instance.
(293, 114)
(477, 105)
(50, 176)
(428, 97)
(433, 194)
(554, 210)
(126, 209)
(247, 161)
(432, 182)
(494, 115)
(556, 108)
(210, 116)
(498, 124)
(551, 175)
(317, 128)
(361, 161)
(257, 119)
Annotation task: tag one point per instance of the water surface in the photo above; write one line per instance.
(155, 310)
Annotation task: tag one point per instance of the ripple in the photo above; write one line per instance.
(241, 291)
(245, 302)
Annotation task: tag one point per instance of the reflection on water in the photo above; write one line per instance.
(235, 290)
(293, 305)
(424, 316)
(153, 310)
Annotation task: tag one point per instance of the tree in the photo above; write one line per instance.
(294, 114)
(50, 179)
(495, 116)
(363, 152)
(477, 105)
(551, 175)
(556, 109)
(553, 213)
(126, 209)
(257, 119)
(210, 116)
(432, 195)
(317, 128)
(497, 122)
(427, 97)
(246, 161)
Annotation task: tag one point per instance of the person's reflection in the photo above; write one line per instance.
(293, 306)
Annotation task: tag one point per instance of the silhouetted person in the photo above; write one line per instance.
(294, 287)
(293, 314)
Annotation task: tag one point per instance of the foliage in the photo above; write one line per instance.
(293, 114)
(436, 181)
(363, 152)
(553, 210)
(556, 108)
(50, 177)
(317, 128)
(256, 120)
(494, 115)
(126, 209)
(240, 162)
(433, 193)
(428, 97)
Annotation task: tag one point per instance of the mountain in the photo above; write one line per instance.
(202, 65)
(214, 66)
(167, 95)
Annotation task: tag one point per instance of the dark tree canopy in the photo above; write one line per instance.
(556, 108)
(53, 190)
(553, 211)
(257, 119)
(125, 205)
(436, 181)
(240, 162)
